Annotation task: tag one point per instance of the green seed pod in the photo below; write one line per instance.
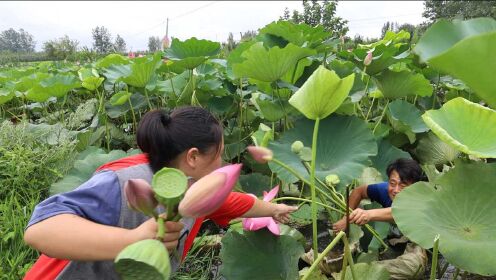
(145, 259)
(332, 180)
(297, 146)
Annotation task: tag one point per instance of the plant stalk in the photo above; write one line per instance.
(324, 253)
(347, 254)
(312, 189)
(434, 258)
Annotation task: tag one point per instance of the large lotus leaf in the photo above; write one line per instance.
(365, 271)
(269, 65)
(5, 95)
(344, 146)
(259, 255)
(26, 83)
(465, 50)
(297, 34)
(115, 73)
(400, 84)
(255, 183)
(322, 93)
(86, 164)
(432, 150)
(386, 154)
(459, 206)
(112, 59)
(384, 55)
(192, 52)
(142, 70)
(406, 118)
(467, 126)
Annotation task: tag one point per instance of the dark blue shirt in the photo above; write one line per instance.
(379, 193)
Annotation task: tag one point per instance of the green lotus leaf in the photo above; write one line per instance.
(27, 82)
(142, 70)
(120, 98)
(322, 93)
(259, 255)
(174, 85)
(92, 83)
(269, 65)
(272, 109)
(112, 59)
(406, 118)
(365, 271)
(385, 54)
(255, 183)
(466, 126)
(145, 259)
(192, 52)
(465, 50)
(459, 207)
(115, 73)
(297, 34)
(169, 185)
(432, 150)
(400, 84)
(57, 86)
(5, 95)
(386, 154)
(344, 146)
(84, 166)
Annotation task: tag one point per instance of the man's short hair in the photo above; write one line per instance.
(408, 170)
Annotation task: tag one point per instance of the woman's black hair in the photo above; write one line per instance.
(164, 137)
(408, 170)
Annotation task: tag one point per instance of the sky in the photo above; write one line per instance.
(213, 20)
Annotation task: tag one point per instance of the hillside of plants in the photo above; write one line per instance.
(333, 116)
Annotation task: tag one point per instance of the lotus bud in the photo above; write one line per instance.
(209, 193)
(145, 259)
(260, 154)
(131, 55)
(332, 180)
(368, 59)
(297, 146)
(140, 196)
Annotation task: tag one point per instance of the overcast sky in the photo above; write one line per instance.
(213, 20)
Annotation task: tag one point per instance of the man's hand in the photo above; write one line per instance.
(282, 211)
(360, 217)
(148, 230)
(339, 225)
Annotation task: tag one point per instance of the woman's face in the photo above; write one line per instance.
(208, 162)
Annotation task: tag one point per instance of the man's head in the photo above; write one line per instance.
(402, 173)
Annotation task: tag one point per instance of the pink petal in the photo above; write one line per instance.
(273, 227)
(260, 154)
(232, 172)
(253, 224)
(271, 194)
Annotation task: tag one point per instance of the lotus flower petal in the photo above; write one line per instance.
(271, 194)
(273, 227)
(260, 154)
(209, 193)
(140, 196)
(368, 59)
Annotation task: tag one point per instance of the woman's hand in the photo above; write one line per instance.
(282, 211)
(148, 230)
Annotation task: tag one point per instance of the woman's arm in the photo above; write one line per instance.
(68, 236)
(261, 208)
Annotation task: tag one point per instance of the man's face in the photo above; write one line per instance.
(395, 185)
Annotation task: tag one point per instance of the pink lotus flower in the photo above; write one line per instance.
(165, 42)
(253, 224)
(260, 154)
(131, 55)
(209, 193)
(140, 196)
(368, 59)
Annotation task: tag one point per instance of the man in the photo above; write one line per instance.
(402, 173)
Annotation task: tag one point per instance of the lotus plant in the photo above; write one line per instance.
(253, 224)
(209, 193)
(140, 197)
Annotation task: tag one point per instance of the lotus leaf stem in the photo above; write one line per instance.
(161, 228)
(382, 116)
(347, 254)
(324, 253)
(312, 188)
(307, 200)
(434, 258)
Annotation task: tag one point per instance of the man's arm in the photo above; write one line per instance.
(361, 217)
(356, 196)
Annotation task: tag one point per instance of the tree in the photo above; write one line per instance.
(102, 40)
(316, 14)
(120, 44)
(16, 41)
(463, 9)
(396, 27)
(154, 43)
(61, 48)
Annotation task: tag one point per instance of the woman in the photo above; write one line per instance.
(83, 230)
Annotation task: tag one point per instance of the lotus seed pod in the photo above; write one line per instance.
(332, 180)
(145, 259)
(297, 146)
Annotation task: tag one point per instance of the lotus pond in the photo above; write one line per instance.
(333, 118)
